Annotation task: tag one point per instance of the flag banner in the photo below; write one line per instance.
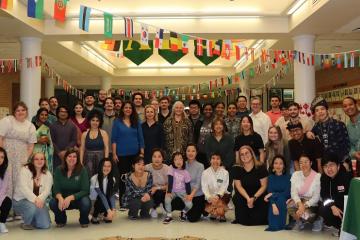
(345, 60)
(199, 47)
(144, 34)
(238, 52)
(204, 58)
(60, 10)
(209, 47)
(352, 59)
(136, 52)
(6, 4)
(159, 38)
(229, 79)
(217, 48)
(111, 45)
(185, 44)
(35, 9)
(169, 55)
(174, 41)
(84, 18)
(129, 27)
(227, 49)
(108, 25)
(338, 61)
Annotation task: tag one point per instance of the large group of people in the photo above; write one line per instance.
(278, 168)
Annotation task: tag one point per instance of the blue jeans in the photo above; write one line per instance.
(37, 217)
(83, 205)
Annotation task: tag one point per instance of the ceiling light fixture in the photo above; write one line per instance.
(295, 6)
(97, 55)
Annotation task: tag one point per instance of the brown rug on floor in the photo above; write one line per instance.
(152, 238)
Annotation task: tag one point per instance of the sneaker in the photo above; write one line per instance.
(132, 217)
(17, 218)
(153, 213)
(299, 225)
(183, 217)
(317, 225)
(167, 220)
(122, 209)
(3, 228)
(95, 220)
(27, 227)
(10, 219)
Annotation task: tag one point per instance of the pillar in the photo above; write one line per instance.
(304, 75)
(106, 84)
(245, 89)
(30, 78)
(49, 87)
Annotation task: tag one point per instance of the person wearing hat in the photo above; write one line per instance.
(335, 183)
(332, 133)
(90, 103)
(301, 144)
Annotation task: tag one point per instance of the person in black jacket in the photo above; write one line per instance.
(335, 183)
(195, 117)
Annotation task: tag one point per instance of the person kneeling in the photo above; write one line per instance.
(71, 190)
(102, 189)
(335, 183)
(214, 183)
(138, 185)
(33, 188)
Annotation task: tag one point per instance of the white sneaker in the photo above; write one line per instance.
(3, 228)
(153, 213)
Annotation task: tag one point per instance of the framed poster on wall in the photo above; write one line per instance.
(288, 95)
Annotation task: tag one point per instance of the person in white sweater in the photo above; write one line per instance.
(305, 196)
(33, 188)
(214, 183)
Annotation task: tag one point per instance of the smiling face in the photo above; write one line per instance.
(194, 110)
(20, 113)
(178, 161)
(305, 165)
(321, 113)
(127, 110)
(331, 169)
(191, 152)
(150, 114)
(241, 103)
(106, 169)
(43, 116)
(109, 104)
(139, 167)
(275, 102)
(273, 134)
(245, 156)
(278, 166)
(179, 109)
(218, 127)
(53, 104)
(155, 103)
(293, 111)
(255, 105)
(45, 104)
(157, 159)
(208, 111)
(39, 160)
(102, 95)
(350, 107)
(231, 110)
(63, 114)
(219, 110)
(78, 109)
(94, 123)
(245, 124)
(138, 101)
(215, 161)
(297, 133)
(89, 100)
(71, 160)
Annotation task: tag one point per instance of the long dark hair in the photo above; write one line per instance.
(5, 164)
(112, 184)
(173, 160)
(133, 116)
(78, 166)
(271, 166)
(31, 165)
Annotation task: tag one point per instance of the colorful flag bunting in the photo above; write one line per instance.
(199, 47)
(238, 52)
(345, 60)
(108, 25)
(35, 9)
(216, 50)
(60, 10)
(144, 34)
(227, 49)
(84, 18)
(6, 4)
(185, 43)
(209, 47)
(174, 42)
(338, 61)
(129, 27)
(352, 59)
(159, 38)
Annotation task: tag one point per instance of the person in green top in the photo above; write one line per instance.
(71, 189)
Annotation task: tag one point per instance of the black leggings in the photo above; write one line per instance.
(124, 166)
(5, 209)
(329, 218)
(194, 214)
(159, 197)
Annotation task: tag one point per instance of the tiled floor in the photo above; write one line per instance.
(154, 227)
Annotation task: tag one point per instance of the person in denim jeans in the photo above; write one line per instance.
(33, 188)
(71, 190)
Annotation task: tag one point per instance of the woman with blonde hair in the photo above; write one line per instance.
(152, 132)
(178, 130)
(276, 145)
(250, 180)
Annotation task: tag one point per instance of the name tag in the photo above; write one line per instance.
(219, 180)
(341, 188)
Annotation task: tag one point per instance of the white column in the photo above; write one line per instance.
(304, 75)
(30, 78)
(245, 88)
(49, 87)
(106, 83)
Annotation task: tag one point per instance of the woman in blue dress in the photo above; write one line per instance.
(278, 194)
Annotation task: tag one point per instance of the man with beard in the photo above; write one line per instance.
(353, 126)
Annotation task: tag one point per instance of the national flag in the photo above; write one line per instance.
(352, 59)
(108, 25)
(299, 55)
(216, 83)
(60, 10)
(35, 9)
(111, 45)
(210, 85)
(6, 4)
(238, 52)
(246, 54)
(222, 82)
(308, 60)
(252, 54)
(345, 60)
(159, 38)
(174, 41)
(216, 50)
(84, 18)
(199, 47)
(144, 34)
(312, 59)
(119, 53)
(229, 79)
(209, 46)
(227, 49)
(243, 75)
(129, 27)
(303, 58)
(338, 61)
(327, 62)
(185, 44)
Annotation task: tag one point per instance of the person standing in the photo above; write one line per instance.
(63, 135)
(101, 99)
(205, 131)
(241, 104)
(44, 103)
(282, 121)
(5, 189)
(178, 131)
(232, 122)
(195, 118)
(108, 120)
(17, 137)
(53, 102)
(117, 104)
(90, 103)
(219, 110)
(261, 121)
(152, 131)
(79, 119)
(275, 112)
(164, 111)
(138, 100)
(127, 141)
(353, 126)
